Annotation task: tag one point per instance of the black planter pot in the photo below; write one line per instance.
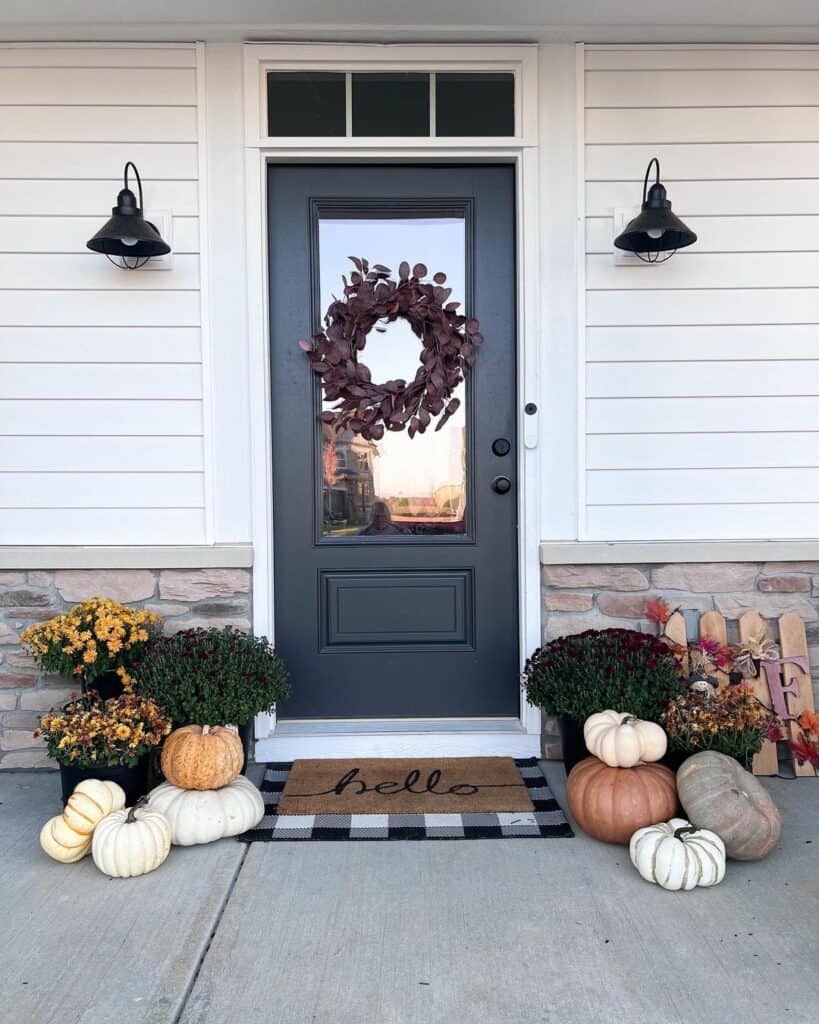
(571, 739)
(133, 780)
(246, 736)
(107, 685)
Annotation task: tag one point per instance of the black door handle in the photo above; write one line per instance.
(501, 485)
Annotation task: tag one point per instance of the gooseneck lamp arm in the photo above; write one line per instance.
(133, 167)
(653, 160)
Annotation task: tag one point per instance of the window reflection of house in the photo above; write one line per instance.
(348, 491)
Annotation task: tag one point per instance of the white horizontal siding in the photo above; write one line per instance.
(702, 374)
(89, 454)
(101, 391)
(99, 525)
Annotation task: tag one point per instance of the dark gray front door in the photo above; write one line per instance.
(395, 560)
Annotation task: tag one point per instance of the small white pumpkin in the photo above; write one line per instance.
(202, 816)
(91, 800)
(131, 841)
(620, 740)
(676, 855)
(62, 843)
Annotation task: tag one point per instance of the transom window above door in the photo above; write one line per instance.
(390, 104)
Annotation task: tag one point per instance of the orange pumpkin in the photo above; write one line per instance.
(202, 757)
(612, 803)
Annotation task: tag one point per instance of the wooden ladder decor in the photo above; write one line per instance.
(784, 684)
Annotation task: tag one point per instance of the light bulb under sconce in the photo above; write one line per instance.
(656, 233)
(127, 239)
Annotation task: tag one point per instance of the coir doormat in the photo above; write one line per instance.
(436, 791)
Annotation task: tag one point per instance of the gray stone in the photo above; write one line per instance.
(605, 577)
(166, 609)
(126, 585)
(19, 739)
(8, 700)
(196, 584)
(21, 720)
(769, 606)
(707, 577)
(24, 599)
(225, 609)
(567, 625)
(7, 634)
(46, 698)
(20, 659)
(12, 579)
(40, 579)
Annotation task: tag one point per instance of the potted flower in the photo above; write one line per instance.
(214, 677)
(98, 641)
(111, 739)
(575, 676)
(729, 720)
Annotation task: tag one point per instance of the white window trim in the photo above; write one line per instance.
(522, 152)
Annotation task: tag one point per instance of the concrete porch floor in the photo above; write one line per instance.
(479, 932)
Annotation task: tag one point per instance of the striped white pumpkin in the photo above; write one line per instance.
(676, 855)
(131, 841)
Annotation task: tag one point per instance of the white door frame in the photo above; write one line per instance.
(516, 737)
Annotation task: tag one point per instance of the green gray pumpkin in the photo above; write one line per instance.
(719, 795)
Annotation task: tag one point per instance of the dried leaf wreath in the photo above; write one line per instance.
(372, 298)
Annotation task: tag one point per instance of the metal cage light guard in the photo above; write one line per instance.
(656, 233)
(127, 239)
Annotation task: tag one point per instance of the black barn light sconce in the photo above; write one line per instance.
(656, 233)
(127, 239)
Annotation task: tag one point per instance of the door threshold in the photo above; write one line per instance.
(414, 737)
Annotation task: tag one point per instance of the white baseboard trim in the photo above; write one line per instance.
(417, 738)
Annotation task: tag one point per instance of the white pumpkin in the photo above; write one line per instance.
(131, 841)
(62, 843)
(201, 816)
(91, 800)
(620, 740)
(676, 855)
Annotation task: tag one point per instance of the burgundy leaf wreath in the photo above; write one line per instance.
(371, 299)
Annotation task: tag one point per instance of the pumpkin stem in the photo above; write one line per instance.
(680, 832)
(629, 719)
(205, 730)
(131, 817)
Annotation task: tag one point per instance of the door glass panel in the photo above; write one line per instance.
(396, 487)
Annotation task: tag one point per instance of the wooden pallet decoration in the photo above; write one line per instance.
(783, 684)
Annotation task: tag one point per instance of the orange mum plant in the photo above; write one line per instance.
(94, 637)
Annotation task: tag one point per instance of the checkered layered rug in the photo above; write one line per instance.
(547, 821)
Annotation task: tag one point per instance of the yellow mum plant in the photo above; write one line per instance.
(118, 731)
(94, 637)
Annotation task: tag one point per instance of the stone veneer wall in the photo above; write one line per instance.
(579, 597)
(183, 597)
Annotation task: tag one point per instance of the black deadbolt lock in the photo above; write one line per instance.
(530, 408)
(501, 485)
(500, 446)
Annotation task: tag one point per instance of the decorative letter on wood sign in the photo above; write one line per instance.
(782, 684)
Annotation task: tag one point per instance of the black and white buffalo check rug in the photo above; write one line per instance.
(547, 821)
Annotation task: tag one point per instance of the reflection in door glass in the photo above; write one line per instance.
(395, 486)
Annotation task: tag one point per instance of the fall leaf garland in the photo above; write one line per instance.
(448, 340)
